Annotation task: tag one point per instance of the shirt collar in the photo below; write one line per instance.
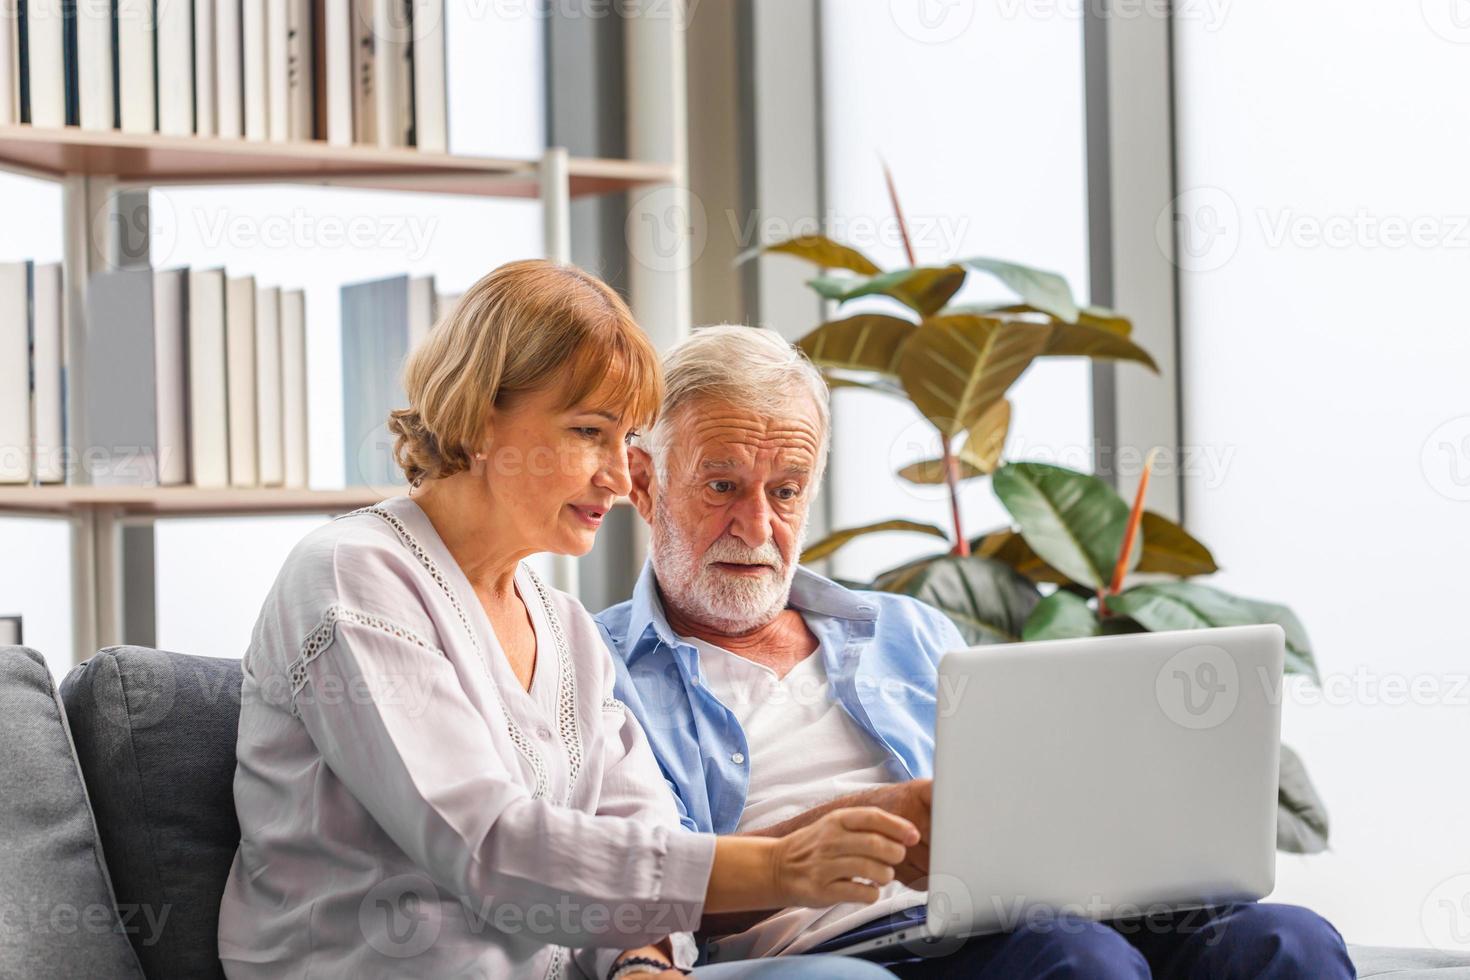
(810, 593)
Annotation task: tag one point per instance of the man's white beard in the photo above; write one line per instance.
(732, 604)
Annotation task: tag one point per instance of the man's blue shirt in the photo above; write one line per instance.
(881, 653)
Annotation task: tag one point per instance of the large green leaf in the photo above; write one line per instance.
(1074, 521)
(1105, 319)
(988, 601)
(1190, 605)
(922, 288)
(1062, 615)
(1170, 550)
(954, 368)
(1079, 340)
(837, 539)
(979, 454)
(869, 342)
(1301, 818)
(820, 250)
(1008, 546)
(1046, 291)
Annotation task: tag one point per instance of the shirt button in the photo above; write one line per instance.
(544, 734)
(737, 757)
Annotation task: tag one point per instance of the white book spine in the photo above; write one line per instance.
(293, 385)
(48, 74)
(135, 66)
(339, 71)
(46, 374)
(229, 91)
(277, 31)
(175, 67)
(431, 105)
(269, 435)
(204, 68)
(94, 65)
(170, 326)
(240, 373)
(15, 367)
(300, 70)
(209, 457)
(9, 63)
(388, 82)
(253, 26)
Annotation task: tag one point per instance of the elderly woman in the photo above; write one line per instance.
(434, 778)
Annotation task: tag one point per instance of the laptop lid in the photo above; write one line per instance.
(1107, 776)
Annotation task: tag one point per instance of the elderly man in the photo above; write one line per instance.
(771, 694)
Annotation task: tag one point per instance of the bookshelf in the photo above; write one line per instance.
(92, 167)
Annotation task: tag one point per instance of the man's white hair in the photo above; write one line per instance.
(751, 368)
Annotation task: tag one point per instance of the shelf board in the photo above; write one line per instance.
(184, 501)
(155, 159)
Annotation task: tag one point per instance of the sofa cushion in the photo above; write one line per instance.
(1410, 964)
(155, 735)
(58, 917)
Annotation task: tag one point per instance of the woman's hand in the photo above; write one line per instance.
(815, 866)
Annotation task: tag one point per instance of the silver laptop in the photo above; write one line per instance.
(1110, 777)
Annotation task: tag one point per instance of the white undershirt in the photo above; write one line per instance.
(805, 750)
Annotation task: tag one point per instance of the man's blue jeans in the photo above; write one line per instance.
(1246, 941)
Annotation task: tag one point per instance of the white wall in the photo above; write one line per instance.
(978, 110)
(1326, 351)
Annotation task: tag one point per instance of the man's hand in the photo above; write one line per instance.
(912, 801)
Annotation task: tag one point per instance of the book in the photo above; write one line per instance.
(299, 70)
(48, 375)
(97, 102)
(120, 410)
(364, 74)
(44, 45)
(69, 68)
(205, 96)
(171, 373)
(393, 83)
(22, 63)
(254, 58)
(240, 411)
(228, 79)
(209, 434)
(337, 69)
(11, 632)
(269, 435)
(430, 102)
(374, 343)
(15, 360)
(9, 62)
(133, 55)
(293, 388)
(421, 309)
(175, 54)
(277, 30)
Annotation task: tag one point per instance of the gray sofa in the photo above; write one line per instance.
(134, 759)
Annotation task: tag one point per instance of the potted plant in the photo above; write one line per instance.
(1062, 567)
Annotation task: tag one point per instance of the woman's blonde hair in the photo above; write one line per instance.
(526, 326)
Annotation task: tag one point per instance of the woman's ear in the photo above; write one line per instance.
(640, 472)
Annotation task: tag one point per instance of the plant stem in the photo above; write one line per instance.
(1135, 518)
(951, 477)
(903, 228)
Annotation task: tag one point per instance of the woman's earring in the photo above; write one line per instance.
(479, 455)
